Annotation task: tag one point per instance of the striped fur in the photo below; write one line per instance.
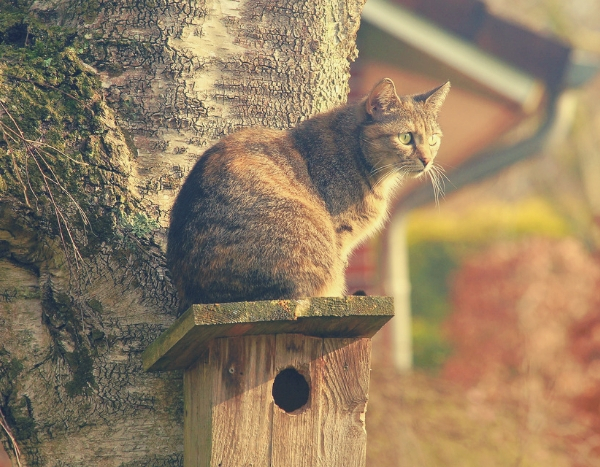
(267, 214)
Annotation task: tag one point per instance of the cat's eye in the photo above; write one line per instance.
(433, 140)
(405, 138)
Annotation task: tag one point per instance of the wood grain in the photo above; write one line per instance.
(295, 435)
(344, 396)
(231, 419)
(185, 340)
(229, 413)
(197, 416)
(228, 404)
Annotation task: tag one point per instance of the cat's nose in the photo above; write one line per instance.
(425, 160)
(425, 155)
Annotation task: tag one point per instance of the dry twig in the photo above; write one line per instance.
(38, 152)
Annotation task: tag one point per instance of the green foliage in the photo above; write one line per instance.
(431, 264)
(486, 222)
(430, 346)
(439, 241)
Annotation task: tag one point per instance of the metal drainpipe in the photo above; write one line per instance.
(399, 288)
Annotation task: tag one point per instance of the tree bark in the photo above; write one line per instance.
(85, 196)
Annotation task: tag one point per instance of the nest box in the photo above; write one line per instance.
(274, 383)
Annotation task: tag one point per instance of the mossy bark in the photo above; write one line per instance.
(104, 107)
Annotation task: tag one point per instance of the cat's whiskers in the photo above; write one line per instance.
(434, 172)
(441, 171)
(383, 179)
(376, 170)
(253, 202)
(403, 170)
(436, 175)
(435, 184)
(380, 168)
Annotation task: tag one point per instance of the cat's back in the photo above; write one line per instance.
(247, 176)
(252, 158)
(247, 214)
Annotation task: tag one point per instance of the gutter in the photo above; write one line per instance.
(581, 69)
(497, 75)
(501, 77)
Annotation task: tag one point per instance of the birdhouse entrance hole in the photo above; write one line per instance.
(290, 390)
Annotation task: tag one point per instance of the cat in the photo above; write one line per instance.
(269, 214)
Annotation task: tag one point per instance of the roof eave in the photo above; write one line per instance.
(504, 79)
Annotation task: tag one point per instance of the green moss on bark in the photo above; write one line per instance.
(82, 365)
(61, 153)
(16, 409)
(63, 321)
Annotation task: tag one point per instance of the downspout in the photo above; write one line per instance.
(499, 76)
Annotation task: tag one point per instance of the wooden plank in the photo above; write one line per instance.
(184, 341)
(344, 395)
(242, 406)
(296, 434)
(197, 415)
(281, 310)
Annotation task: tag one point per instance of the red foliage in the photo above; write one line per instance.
(526, 331)
(585, 347)
(483, 330)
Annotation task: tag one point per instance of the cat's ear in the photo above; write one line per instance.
(436, 97)
(382, 98)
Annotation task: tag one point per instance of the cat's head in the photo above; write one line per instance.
(401, 135)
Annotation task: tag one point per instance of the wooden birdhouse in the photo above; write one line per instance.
(274, 383)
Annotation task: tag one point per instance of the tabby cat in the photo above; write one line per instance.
(269, 214)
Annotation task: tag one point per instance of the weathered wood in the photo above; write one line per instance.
(232, 420)
(344, 396)
(265, 386)
(197, 414)
(181, 344)
(296, 434)
(242, 370)
(228, 403)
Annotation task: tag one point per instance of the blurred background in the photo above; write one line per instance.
(493, 358)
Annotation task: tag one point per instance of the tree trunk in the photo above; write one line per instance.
(91, 160)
